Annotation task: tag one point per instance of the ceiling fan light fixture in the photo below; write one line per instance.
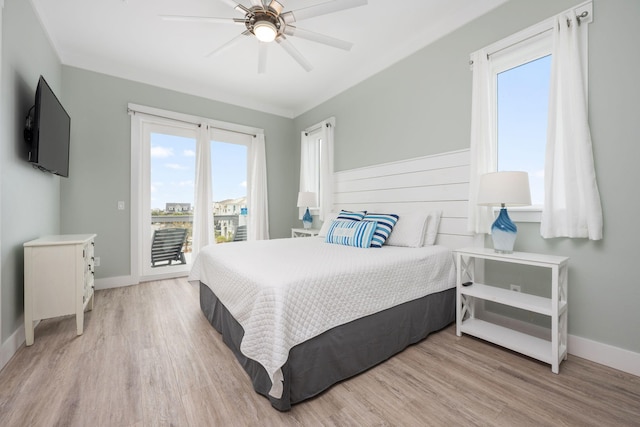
(265, 31)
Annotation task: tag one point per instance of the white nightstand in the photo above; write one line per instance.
(552, 350)
(304, 232)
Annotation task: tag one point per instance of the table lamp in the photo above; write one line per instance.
(306, 199)
(502, 189)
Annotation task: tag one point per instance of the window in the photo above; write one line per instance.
(164, 171)
(522, 74)
(512, 97)
(316, 166)
(169, 185)
(311, 158)
(229, 185)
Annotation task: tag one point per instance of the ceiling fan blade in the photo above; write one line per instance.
(321, 9)
(274, 5)
(241, 8)
(294, 53)
(228, 44)
(237, 6)
(257, 3)
(262, 57)
(231, 3)
(207, 19)
(290, 30)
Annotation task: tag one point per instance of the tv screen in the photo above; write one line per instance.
(48, 132)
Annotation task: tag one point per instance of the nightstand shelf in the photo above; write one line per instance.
(304, 232)
(520, 300)
(528, 345)
(469, 298)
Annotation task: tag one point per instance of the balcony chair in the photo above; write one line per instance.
(167, 246)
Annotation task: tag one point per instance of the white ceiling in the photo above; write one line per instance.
(126, 38)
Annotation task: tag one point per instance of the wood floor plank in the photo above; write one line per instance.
(161, 400)
(148, 357)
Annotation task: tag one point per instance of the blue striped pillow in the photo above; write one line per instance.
(351, 233)
(385, 222)
(351, 216)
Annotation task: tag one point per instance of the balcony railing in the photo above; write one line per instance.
(227, 228)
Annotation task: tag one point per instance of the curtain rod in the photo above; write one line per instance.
(234, 131)
(307, 132)
(578, 18)
(132, 111)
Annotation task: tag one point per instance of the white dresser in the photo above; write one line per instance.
(58, 279)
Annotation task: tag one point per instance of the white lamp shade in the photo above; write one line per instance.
(307, 199)
(265, 31)
(508, 188)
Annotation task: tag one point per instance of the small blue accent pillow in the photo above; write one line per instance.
(386, 222)
(351, 216)
(351, 233)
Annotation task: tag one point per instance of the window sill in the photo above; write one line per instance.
(523, 214)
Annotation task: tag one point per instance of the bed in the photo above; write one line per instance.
(322, 355)
(326, 313)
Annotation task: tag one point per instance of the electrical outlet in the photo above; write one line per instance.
(96, 261)
(515, 288)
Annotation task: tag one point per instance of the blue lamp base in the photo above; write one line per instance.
(503, 233)
(307, 219)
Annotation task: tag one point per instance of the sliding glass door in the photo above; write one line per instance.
(166, 150)
(168, 164)
(167, 213)
(229, 177)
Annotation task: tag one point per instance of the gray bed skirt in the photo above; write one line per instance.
(339, 353)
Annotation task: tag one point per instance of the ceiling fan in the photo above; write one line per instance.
(266, 21)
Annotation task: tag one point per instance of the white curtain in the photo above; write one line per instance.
(257, 203)
(325, 197)
(203, 204)
(572, 202)
(484, 145)
(316, 165)
(308, 166)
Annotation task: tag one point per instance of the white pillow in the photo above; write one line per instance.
(327, 223)
(409, 231)
(433, 223)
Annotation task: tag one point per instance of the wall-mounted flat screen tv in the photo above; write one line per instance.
(47, 132)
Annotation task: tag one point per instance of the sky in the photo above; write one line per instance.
(173, 170)
(523, 96)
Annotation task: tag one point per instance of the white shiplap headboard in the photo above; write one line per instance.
(437, 182)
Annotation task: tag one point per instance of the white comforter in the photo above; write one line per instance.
(286, 291)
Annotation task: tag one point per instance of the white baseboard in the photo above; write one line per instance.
(115, 282)
(11, 345)
(604, 354)
(120, 281)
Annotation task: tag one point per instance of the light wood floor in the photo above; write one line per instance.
(148, 358)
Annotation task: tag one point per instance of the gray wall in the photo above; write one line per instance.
(422, 106)
(30, 199)
(100, 161)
